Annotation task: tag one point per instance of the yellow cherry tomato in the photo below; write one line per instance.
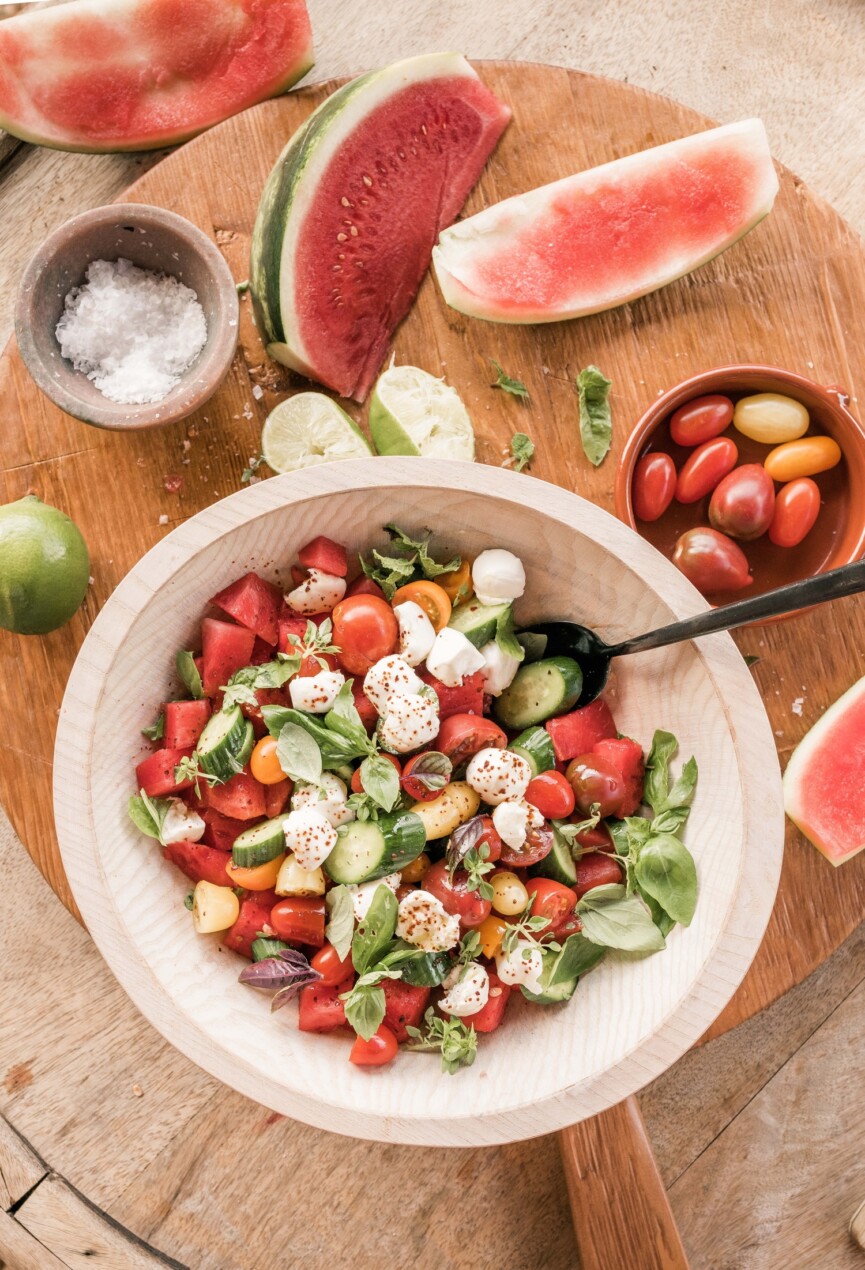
(457, 585)
(492, 931)
(432, 598)
(417, 870)
(805, 457)
(261, 878)
(509, 894)
(264, 764)
(770, 418)
(213, 907)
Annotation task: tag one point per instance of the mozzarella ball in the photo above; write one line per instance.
(498, 576)
(363, 894)
(319, 593)
(468, 990)
(310, 836)
(316, 693)
(328, 797)
(522, 966)
(498, 775)
(181, 824)
(499, 668)
(416, 632)
(410, 722)
(390, 677)
(515, 819)
(452, 657)
(424, 922)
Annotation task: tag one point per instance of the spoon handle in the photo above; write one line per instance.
(848, 580)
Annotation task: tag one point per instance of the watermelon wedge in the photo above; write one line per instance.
(824, 784)
(601, 238)
(140, 74)
(352, 209)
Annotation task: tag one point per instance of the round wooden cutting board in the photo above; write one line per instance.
(792, 293)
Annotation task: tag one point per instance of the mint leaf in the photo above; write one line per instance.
(340, 925)
(418, 549)
(512, 386)
(380, 781)
(522, 450)
(456, 1042)
(298, 755)
(665, 870)
(596, 428)
(156, 731)
(614, 919)
(389, 572)
(376, 930)
(188, 674)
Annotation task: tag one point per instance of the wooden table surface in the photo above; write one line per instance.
(727, 61)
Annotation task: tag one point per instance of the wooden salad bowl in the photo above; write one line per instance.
(547, 1068)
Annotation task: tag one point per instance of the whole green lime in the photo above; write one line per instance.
(44, 567)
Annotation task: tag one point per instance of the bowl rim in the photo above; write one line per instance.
(213, 362)
(749, 906)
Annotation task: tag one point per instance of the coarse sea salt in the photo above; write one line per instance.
(132, 331)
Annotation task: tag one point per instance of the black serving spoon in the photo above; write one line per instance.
(569, 639)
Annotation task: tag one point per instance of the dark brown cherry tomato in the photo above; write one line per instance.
(797, 507)
(455, 896)
(552, 900)
(703, 469)
(596, 870)
(330, 966)
(594, 780)
(365, 629)
(711, 561)
(700, 420)
(381, 1047)
(357, 783)
(743, 503)
(462, 735)
(551, 793)
(653, 486)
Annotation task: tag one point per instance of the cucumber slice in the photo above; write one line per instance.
(477, 621)
(427, 971)
(559, 864)
(259, 844)
(369, 849)
(539, 691)
(263, 947)
(536, 747)
(225, 744)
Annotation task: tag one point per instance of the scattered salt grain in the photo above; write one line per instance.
(797, 705)
(257, 392)
(163, 519)
(132, 331)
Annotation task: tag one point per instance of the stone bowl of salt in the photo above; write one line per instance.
(127, 317)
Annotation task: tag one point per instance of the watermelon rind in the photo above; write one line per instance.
(464, 248)
(819, 818)
(31, 57)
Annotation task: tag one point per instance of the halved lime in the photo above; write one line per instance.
(412, 412)
(307, 429)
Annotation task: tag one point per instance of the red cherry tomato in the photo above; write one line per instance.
(797, 506)
(365, 629)
(311, 666)
(462, 735)
(594, 780)
(413, 785)
(551, 793)
(331, 967)
(742, 504)
(653, 486)
(381, 1048)
(536, 847)
(596, 870)
(299, 920)
(711, 561)
(597, 839)
(455, 896)
(703, 469)
(357, 783)
(700, 420)
(552, 900)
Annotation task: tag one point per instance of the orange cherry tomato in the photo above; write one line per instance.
(653, 485)
(357, 783)
(417, 870)
(261, 878)
(458, 584)
(703, 469)
(431, 597)
(797, 507)
(365, 629)
(700, 420)
(492, 932)
(381, 1048)
(264, 764)
(805, 457)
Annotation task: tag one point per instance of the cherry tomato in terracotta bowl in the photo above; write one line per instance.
(711, 561)
(743, 503)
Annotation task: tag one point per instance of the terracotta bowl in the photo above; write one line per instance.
(838, 537)
(153, 239)
(546, 1068)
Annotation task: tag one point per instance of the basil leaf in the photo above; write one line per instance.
(380, 781)
(578, 956)
(432, 769)
(156, 731)
(343, 719)
(522, 450)
(148, 814)
(340, 925)
(506, 636)
(298, 755)
(533, 644)
(657, 783)
(616, 920)
(665, 870)
(662, 920)
(275, 674)
(682, 792)
(671, 821)
(419, 549)
(286, 969)
(188, 674)
(375, 932)
(389, 572)
(513, 386)
(334, 749)
(364, 1009)
(751, 659)
(275, 718)
(239, 689)
(596, 428)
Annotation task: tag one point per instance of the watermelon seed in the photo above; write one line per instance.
(353, 231)
(341, 238)
(367, 180)
(344, 201)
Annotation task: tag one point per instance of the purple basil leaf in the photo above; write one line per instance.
(463, 838)
(282, 971)
(286, 994)
(432, 769)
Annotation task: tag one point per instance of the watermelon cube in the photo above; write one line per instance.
(254, 916)
(404, 1006)
(320, 1008)
(199, 862)
(220, 831)
(489, 1018)
(276, 798)
(253, 603)
(363, 705)
(466, 698)
(225, 649)
(241, 798)
(155, 774)
(324, 554)
(626, 757)
(184, 723)
(576, 733)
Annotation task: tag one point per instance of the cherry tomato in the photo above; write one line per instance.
(596, 870)
(364, 586)
(701, 420)
(552, 900)
(492, 932)
(299, 920)
(462, 735)
(431, 597)
(597, 839)
(457, 585)
(455, 896)
(594, 780)
(551, 793)
(416, 870)
(311, 666)
(365, 629)
(261, 877)
(703, 469)
(264, 764)
(742, 504)
(653, 485)
(332, 968)
(536, 847)
(381, 1048)
(489, 838)
(805, 457)
(357, 783)
(712, 561)
(413, 785)
(797, 506)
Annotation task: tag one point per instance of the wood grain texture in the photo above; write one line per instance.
(20, 1167)
(621, 1212)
